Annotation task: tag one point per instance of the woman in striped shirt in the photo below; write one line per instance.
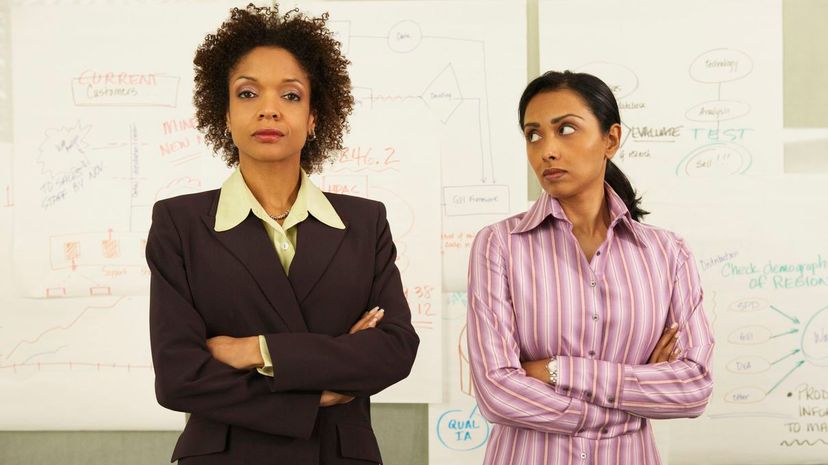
(583, 323)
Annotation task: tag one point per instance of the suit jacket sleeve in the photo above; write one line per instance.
(188, 378)
(359, 364)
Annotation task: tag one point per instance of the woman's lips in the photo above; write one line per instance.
(268, 135)
(553, 174)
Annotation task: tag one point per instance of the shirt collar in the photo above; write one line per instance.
(546, 206)
(236, 202)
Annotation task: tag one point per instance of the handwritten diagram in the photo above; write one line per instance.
(707, 105)
(766, 294)
(87, 210)
(722, 152)
(462, 73)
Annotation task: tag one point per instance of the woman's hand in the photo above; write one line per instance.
(665, 349)
(330, 398)
(241, 353)
(537, 369)
(369, 320)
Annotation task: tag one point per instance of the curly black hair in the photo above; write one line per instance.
(312, 44)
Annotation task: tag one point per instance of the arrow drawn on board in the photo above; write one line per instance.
(793, 319)
(794, 352)
(798, 364)
(792, 331)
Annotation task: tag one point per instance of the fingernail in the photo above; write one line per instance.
(381, 311)
(674, 325)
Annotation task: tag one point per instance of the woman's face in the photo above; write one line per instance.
(565, 144)
(269, 113)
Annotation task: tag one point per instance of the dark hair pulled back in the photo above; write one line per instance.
(601, 102)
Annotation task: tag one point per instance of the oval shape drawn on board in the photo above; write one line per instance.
(748, 305)
(621, 80)
(749, 335)
(713, 160)
(721, 65)
(404, 36)
(815, 339)
(745, 395)
(459, 430)
(717, 110)
(748, 364)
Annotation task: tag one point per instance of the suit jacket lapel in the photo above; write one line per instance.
(316, 245)
(249, 243)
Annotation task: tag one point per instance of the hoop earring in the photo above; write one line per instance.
(312, 136)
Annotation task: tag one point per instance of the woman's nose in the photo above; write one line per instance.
(269, 114)
(269, 110)
(551, 152)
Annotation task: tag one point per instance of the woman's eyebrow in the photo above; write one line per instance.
(555, 120)
(559, 118)
(286, 80)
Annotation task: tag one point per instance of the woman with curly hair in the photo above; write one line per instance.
(259, 290)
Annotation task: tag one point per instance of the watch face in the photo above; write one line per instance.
(552, 368)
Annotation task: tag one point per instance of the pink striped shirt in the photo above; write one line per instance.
(533, 294)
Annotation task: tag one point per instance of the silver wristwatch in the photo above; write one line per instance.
(552, 368)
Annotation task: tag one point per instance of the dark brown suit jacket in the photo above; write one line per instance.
(206, 283)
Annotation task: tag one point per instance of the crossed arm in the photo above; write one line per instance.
(518, 393)
(243, 353)
(192, 373)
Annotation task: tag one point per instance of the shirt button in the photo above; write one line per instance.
(598, 253)
(285, 246)
(611, 399)
(592, 283)
(605, 431)
(583, 456)
(588, 394)
(595, 316)
(592, 353)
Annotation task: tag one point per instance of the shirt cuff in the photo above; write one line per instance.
(598, 382)
(267, 369)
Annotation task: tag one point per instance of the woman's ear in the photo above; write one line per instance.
(312, 123)
(613, 141)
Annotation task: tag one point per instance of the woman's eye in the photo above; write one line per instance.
(533, 137)
(246, 94)
(292, 96)
(567, 129)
